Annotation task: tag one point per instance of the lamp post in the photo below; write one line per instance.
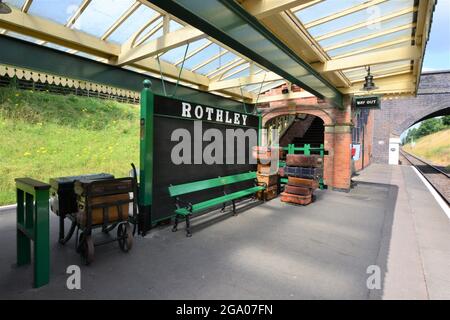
(368, 83)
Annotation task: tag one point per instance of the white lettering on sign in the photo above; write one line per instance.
(212, 114)
(367, 102)
(219, 115)
(209, 111)
(236, 118)
(186, 107)
(244, 119)
(198, 112)
(227, 117)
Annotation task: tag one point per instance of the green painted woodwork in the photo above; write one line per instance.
(190, 187)
(24, 54)
(146, 146)
(33, 225)
(216, 201)
(307, 150)
(259, 127)
(291, 149)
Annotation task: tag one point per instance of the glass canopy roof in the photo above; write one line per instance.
(337, 29)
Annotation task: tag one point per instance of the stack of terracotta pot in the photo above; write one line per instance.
(265, 175)
(302, 172)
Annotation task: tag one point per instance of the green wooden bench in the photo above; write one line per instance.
(187, 209)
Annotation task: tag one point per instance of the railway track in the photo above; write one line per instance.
(438, 178)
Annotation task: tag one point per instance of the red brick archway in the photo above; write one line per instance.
(337, 135)
(325, 115)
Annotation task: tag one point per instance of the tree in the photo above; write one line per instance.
(446, 120)
(429, 126)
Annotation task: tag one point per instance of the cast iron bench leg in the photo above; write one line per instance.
(175, 225)
(61, 228)
(188, 226)
(234, 208)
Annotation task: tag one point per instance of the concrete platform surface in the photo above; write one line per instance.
(269, 251)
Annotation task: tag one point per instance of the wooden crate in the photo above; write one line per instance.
(296, 199)
(300, 182)
(300, 160)
(111, 193)
(264, 169)
(265, 153)
(302, 191)
(97, 214)
(269, 180)
(268, 194)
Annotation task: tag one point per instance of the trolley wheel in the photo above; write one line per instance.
(86, 248)
(125, 237)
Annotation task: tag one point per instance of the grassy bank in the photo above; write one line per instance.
(44, 135)
(434, 147)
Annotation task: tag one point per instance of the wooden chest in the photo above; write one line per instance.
(265, 169)
(300, 182)
(300, 160)
(302, 191)
(266, 153)
(109, 200)
(97, 213)
(268, 194)
(303, 172)
(296, 199)
(269, 180)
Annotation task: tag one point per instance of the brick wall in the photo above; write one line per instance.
(342, 151)
(337, 136)
(366, 144)
(397, 115)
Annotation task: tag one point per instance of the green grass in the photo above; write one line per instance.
(434, 147)
(45, 135)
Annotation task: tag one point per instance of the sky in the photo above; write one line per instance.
(437, 55)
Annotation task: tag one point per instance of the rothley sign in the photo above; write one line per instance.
(192, 111)
(372, 102)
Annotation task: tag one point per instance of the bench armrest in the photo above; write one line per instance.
(184, 203)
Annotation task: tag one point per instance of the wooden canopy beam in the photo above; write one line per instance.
(166, 42)
(372, 58)
(265, 8)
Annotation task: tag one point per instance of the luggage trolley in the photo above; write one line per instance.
(63, 201)
(104, 204)
(95, 201)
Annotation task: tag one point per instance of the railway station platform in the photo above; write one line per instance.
(269, 251)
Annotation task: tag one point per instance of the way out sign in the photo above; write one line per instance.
(371, 102)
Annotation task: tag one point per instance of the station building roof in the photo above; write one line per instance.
(336, 39)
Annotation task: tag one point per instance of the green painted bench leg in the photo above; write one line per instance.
(175, 225)
(23, 242)
(234, 208)
(41, 241)
(188, 226)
